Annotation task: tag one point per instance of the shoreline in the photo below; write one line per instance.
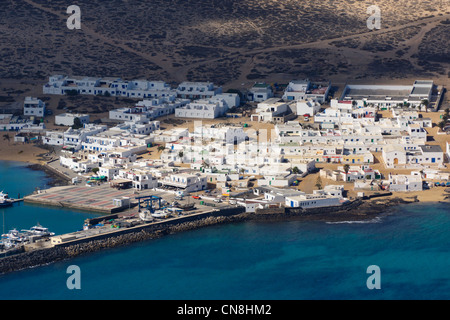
(364, 211)
(435, 194)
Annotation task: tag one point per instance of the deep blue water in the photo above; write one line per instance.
(285, 260)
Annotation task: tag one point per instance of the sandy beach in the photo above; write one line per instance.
(18, 151)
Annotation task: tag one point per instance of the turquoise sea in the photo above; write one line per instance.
(245, 261)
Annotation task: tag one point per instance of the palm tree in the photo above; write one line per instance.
(319, 183)
(180, 155)
(205, 164)
(161, 148)
(346, 169)
(295, 170)
(425, 102)
(6, 137)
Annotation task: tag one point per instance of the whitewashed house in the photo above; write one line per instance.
(197, 90)
(308, 201)
(404, 183)
(227, 134)
(53, 138)
(33, 107)
(141, 178)
(277, 195)
(393, 155)
(260, 92)
(67, 119)
(60, 84)
(170, 135)
(76, 137)
(202, 109)
(305, 107)
(185, 182)
(269, 109)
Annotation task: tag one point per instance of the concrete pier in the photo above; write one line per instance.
(93, 199)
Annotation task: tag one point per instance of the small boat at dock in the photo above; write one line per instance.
(39, 231)
(5, 201)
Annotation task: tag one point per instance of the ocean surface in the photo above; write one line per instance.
(255, 260)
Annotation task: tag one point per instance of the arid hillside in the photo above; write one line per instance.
(228, 41)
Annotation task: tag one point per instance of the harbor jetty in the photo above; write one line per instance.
(114, 233)
(51, 251)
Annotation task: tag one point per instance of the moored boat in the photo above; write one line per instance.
(5, 201)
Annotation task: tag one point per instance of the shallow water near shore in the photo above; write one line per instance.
(261, 260)
(18, 181)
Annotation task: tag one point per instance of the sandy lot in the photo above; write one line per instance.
(17, 151)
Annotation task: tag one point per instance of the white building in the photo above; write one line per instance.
(185, 182)
(448, 152)
(33, 107)
(305, 90)
(67, 119)
(53, 138)
(227, 134)
(390, 96)
(260, 92)
(197, 90)
(334, 190)
(269, 109)
(296, 90)
(308, 201)
(141, 179)
(60, 84)
(148, 109)
(76, 137)
(279, 181)
(170, 135)
(277, 195)
(138, 128)
(420, 155)
(305, 107)
(405, 183)
(202, 109)
(9, 122)
(231, 99)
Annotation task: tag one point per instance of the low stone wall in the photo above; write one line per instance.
(312, 211)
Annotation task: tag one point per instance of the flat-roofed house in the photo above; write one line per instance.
(269, 109)
(33, 107)
(68, 119)
(260, 92)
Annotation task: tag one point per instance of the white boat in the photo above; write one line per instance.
(5, 201)
(159, 214)
(174, 210)
(39, 231)
(15, 236)
(146, 216)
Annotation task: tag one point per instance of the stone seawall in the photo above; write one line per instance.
(356, 210)
(59, 253)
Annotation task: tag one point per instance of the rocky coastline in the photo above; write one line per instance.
(357, 211)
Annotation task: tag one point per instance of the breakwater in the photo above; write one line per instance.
(123, 237)
(355, 210)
